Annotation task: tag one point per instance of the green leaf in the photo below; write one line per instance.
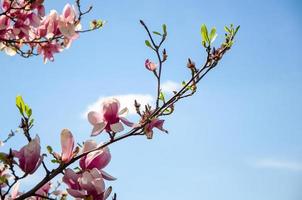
(165, 29)
(236, 30)
(213, 35)
(31, 122)
(148, 44)
(227, 29)
(162, 96)
(55, 161)
(28, 111)
(49, 149)
(20, 104)
(157, 33)
(204, 34)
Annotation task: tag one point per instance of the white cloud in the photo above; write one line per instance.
(170, 86)
(125, 101)
(278, 164)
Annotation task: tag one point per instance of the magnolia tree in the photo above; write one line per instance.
(26, 30)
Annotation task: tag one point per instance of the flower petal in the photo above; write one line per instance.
(98, 128)
(67, 144)
(94, 118)
(117, 127)
(107, 176)
(127, 122)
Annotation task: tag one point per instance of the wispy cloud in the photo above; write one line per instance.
(125, 101)
(170, 86)
(278, 164)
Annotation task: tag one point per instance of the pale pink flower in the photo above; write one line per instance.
(88, 184)
(155, 123)
(67, 24)
(47, 49)
(67, 145)
(150, 65)
(97, 159)
(43, 191)
(49, 25)
(108, 118)
(30, 156)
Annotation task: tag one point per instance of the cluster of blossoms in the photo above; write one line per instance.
(24, 24)
(88, 180)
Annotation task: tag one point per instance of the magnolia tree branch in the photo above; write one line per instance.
(27, 31)
(162, 107)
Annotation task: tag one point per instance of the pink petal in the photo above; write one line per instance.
(67, 144)
(158, 123)
(76, 193)
(94, 118)
(127, 122)
(117, 127)
(111, 107)
(98, 128)
(107, 176)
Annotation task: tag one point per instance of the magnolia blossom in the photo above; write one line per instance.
(87, 185)
(67, 24)
(48, 49)
(155, 123)
(43, 191)
(67, 145)
(30, 27)
(109, 117)
(30, 156)
(150, 65)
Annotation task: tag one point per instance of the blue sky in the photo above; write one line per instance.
(238, 138)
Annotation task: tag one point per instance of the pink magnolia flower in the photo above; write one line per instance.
(155, 123)
(97, 159)
(47, 49)
(67, 24)
(43, 191)
(30, 156)
(67, 145)
(150, 65)
(49, 25)
(108, 118)
(89, 184)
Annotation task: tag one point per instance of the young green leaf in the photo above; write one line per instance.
(157, 33)
(227, 29)
(55, 161)
(213, 35)
(148, 44)
(28, 111)
(204, 34)
(162, 96)
(49, 149)
(236, 30)
(165, 29)
(20, 104)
